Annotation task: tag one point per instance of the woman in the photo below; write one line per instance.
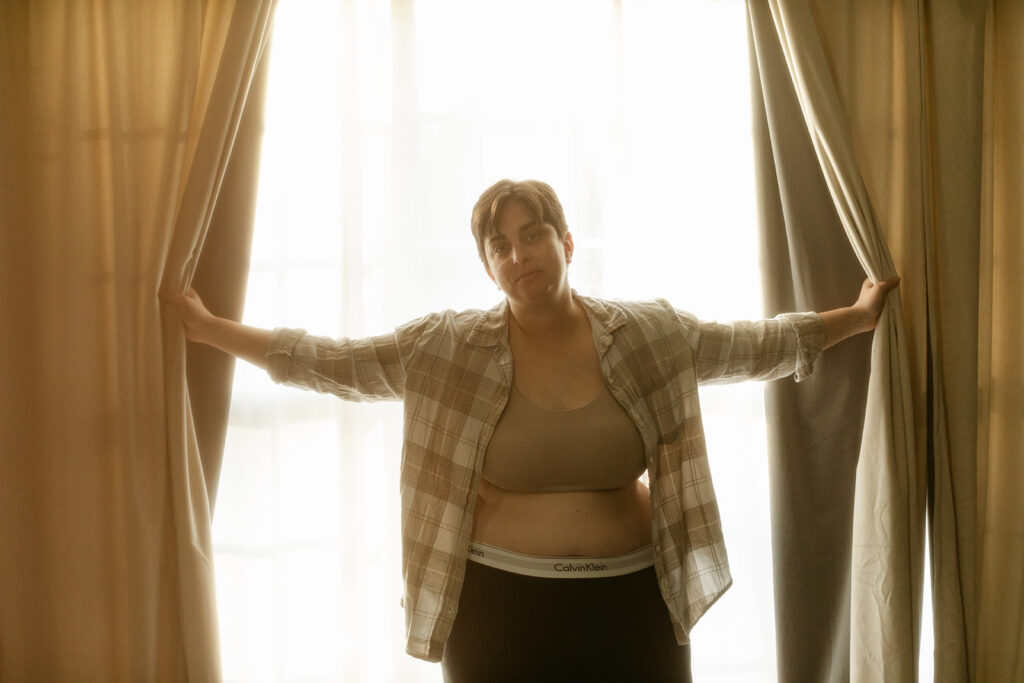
(531, 549)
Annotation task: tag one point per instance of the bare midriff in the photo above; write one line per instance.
(565, 524)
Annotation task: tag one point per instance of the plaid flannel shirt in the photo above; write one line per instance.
(453, 372)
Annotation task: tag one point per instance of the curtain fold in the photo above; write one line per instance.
(815, 426)
(117, 121)
(221, 275)
(953, 55)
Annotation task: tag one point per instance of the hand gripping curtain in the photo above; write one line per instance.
(117, 123)
(878, 511)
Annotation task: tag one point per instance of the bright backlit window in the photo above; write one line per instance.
(384, 123)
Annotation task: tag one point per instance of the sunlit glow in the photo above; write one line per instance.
(382, 128)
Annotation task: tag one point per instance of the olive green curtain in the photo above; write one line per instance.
(846, 486)
(905, 117)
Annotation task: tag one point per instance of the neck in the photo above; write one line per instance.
(559, 316)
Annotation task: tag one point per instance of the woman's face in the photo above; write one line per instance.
(525, 256)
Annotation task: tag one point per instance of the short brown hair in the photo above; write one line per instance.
(535, 194)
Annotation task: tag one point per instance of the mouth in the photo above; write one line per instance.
(527, 276)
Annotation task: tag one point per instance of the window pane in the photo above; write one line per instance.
(384, 123)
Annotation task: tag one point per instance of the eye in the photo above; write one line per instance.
(499, 249)
(534, 235)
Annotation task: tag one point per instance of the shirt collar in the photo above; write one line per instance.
(491, 328)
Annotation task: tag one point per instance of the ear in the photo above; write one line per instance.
(487, 268)
(568, 245)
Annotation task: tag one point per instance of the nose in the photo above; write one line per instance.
(518, 253)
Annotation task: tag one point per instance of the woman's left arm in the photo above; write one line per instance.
(842, 323)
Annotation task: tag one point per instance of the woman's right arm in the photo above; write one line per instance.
(242, 341)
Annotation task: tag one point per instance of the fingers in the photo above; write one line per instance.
(178, 299)
(888, 285)
(884, 286)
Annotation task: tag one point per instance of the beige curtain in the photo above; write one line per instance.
(902, 103)
(117, 123)
(1000, 558)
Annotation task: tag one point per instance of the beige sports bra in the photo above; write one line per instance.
(593, 448)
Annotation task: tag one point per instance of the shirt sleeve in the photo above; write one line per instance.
(788, 344)
(368, 369)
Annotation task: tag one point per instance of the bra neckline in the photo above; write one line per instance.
(589, 404)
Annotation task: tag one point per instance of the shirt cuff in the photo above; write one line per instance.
(280, 348)
(810, 340)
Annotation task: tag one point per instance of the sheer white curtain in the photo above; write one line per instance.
(384, 123)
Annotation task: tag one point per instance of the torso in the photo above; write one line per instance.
(572, 524)
(562, 375)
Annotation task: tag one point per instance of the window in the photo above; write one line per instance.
(384, 123)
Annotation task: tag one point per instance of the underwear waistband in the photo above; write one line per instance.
(561, 567)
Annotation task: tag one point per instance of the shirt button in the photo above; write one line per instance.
(657, 547)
